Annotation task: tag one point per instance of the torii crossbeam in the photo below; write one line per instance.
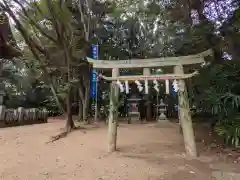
(151, 77)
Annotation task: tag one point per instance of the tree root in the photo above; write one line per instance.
(64, 134)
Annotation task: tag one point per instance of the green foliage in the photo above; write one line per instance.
(230, 130)
(217, 91)
(50, 104)
(132, 29)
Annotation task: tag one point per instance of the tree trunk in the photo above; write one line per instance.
(185, 116)
(80, 110)
(86, 105)
(149, 109)
(81, 101)
(186, 9)
(84, 109)
(84, 97)
(1, 83)
(69, 122)
(56, 97)
(113, 120)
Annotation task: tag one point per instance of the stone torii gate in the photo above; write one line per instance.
(178, 64)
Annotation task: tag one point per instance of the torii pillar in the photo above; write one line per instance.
(147, 72)
(185, 116)
(113, 114)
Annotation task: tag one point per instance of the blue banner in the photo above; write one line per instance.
(95, 51)
(94, 72)
(93, 84)
(174, 94)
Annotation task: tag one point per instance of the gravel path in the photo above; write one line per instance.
(146, 152)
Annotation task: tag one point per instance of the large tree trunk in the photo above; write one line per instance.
(86, 105)
(56, 98)
(69, 122)
(186, 10)
(185, 116)
(80, 110)
(85, 113)
(149, 109)
(84, 90)
(1, 83)
(84, 98)
(81, 99)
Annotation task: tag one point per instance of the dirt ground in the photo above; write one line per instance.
(145, 152)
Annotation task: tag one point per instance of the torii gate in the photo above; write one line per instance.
(178, 65)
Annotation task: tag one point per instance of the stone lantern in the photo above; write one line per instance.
(162, 110)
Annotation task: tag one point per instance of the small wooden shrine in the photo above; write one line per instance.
(133, 103)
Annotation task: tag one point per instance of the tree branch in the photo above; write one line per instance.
(35, 24)
(33, 47)
(86, 30)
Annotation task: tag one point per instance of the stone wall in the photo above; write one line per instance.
(21, 116)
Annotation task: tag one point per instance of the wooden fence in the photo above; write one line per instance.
(21, 116)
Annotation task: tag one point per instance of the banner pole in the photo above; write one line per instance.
(96, 103)
(96, 96)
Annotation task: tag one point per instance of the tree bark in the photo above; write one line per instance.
(81, 98)
(69, 122)
(56, 97)
(84, 98)
(80, 110)
(185, 116)
(84, 89)
(186, 9)
(86, 105)
(85, 118)
(1, 83)
(149, 109)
